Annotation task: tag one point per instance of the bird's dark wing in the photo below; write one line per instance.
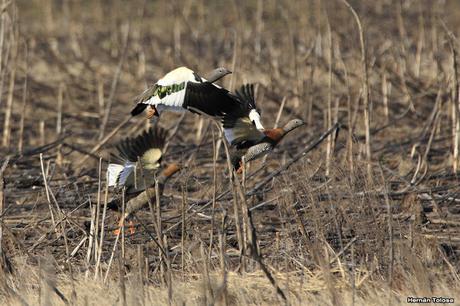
(130, 149)
(239, 129)
(246, 93)
(209, 99)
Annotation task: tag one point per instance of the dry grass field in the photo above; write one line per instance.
(369, 216)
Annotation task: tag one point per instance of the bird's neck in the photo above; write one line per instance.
(167, 173)
(274, 135)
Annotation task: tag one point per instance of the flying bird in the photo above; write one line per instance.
(183, 89)
(144, 151)
(242, 133)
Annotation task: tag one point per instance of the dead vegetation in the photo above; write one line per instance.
(368, 217)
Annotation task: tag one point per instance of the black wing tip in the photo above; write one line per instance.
(139, 108)
(246, 94)
(131, 148)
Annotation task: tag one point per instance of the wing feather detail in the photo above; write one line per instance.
(148, 147)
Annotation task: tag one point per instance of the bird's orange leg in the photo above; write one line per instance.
(121, 223)
(240, 168)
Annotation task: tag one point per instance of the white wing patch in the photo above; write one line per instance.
(178, 75)
(117, 175)
(254, 116)
(172, 101)
(113, 171)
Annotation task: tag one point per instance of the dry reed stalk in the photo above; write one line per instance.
(390, 234)
(2, 207)
(386, 89)
(182, 238)
(59, 108)
(98, 208)
(177, 37)
(59, 158)
(158, 212)
(349, 146)
(258, 258)
(222, 242)
(280, 111)
(400, 23)
(168, 272)
(24, 99)
(258, 30)
(199, 128)
(48, 198)
(63, 218)
(2, 34)
(73, 295)
(293, 50)
(140, 256)
(100, 94)
(114, 85)
(329, 97)
(214, 193)
(155, 211)
(455, 100)
(420, 41)
(92, 234)
(41, 129)
(112, 255)
(123, 209)
(365, 88)
(121, 272)
(101, 237)
(10, 100)
(241, 226)
(208, 294)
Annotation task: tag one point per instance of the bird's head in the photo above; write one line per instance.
(222, 71)
(293, 124)
(218, 73)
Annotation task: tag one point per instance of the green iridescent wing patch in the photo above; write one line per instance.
(163, 91)
(160, 91)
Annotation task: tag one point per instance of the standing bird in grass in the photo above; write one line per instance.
(144, 151)
(241, 132)
(183, 89)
